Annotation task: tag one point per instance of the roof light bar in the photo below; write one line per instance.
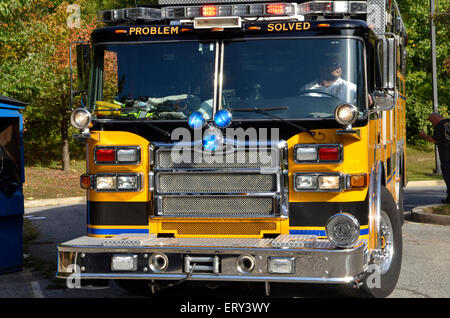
(229, 10)
(130, 14)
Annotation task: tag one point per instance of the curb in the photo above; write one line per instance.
(418, 215)
(426, 183)
(51, 202)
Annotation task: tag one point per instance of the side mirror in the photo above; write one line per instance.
(386, 60)
(83, 53)
(385, 94)
(384, 99)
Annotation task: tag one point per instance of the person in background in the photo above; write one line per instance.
(441, 138)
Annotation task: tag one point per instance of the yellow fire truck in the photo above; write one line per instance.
(256, 141)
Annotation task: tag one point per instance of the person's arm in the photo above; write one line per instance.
(426, 137)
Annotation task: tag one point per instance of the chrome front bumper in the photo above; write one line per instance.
(213, 259)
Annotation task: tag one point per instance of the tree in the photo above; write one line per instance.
(416, 15)
(34, 67)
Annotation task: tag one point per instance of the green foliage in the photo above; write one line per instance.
(416, 15)
(34, 43)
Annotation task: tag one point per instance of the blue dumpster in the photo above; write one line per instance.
(12, 177)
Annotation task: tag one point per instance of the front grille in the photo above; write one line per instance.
(211, 206)
(178, 182)
(219, 228)
(191, 159)
(242, 183)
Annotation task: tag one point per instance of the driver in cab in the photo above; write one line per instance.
(330, 82)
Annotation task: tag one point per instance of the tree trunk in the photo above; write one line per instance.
(65, 144)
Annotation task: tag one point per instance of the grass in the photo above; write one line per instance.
(441, 209)
(51, 182)
(420, 163)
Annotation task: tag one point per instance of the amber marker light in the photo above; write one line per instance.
(120, 31)
(358, 180)
(209, 11)
(85, 181)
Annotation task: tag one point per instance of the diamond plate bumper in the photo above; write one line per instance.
(315, 261)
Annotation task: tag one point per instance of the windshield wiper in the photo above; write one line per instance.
(266, 110)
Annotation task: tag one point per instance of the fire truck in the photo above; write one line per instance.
(256, 141)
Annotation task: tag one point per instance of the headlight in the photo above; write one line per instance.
(346, 114)
(106, 183)
(127, 182)
(117, 182)
(305, 182)
(329, 182)
(80, 118)
(342, 229)
(321, 182)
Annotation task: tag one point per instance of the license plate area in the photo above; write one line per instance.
(202, 264)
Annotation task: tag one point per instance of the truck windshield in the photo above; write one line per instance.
(154, 80)
(306, 78)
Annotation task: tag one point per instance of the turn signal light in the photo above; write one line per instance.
(357, 181)
(85, 181)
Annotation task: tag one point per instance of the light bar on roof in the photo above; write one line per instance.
(202, 2)
(229, 10)
(130, 14)
(332, 7)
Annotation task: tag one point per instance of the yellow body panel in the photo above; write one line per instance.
(119, 138)
(355, 162)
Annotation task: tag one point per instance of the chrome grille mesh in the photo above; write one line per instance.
(178, 182)
(252, 158)
(242, 182)
(210, 206)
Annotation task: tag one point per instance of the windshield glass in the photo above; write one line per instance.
(303, 78)
(154, 80)
(306, 78)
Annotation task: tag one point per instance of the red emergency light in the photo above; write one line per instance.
(329, 154)
(105, 155)
(275, 8)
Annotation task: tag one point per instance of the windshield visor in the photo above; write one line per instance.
(304, 78)
(154, 80)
